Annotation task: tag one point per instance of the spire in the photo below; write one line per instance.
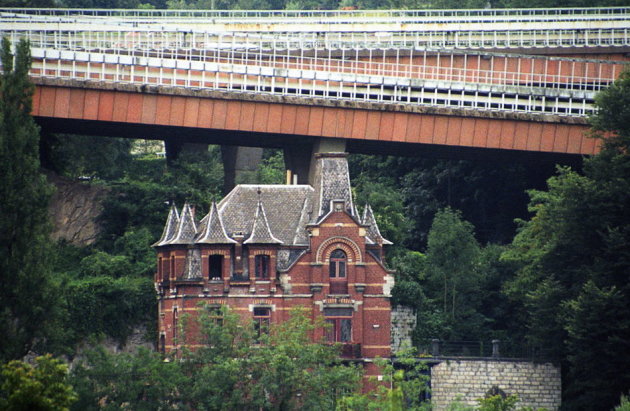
(172, 222)
(212, 230)
(331, 182)
(186, 229)
(372, 230)
(261, 233)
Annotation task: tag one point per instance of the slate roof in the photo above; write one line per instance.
(272, 214)
(211, 229)
(373, 233)
(284, 210)
(332, 182)
(186, 229)
(261, 233)
(170, 228)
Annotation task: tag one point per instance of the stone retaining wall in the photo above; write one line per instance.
(403, 324)
(537, 385)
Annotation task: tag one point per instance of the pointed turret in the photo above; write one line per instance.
(212, 230)
(261, 233)
(170, 228)
(372, 230)
(331, 182)
(186, 229)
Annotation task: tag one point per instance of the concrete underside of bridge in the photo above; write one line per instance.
(302, 126)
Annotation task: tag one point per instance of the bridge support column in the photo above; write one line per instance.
(239, 165)
(174, 147)
(299, 160)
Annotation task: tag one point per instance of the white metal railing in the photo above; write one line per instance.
(472, 67)
(485, 15)
(238, 75)
(145, 39)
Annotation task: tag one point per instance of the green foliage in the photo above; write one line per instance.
(43, 387)
(452, 257)
(405, 386)
(624, 405)
(283, 370)
(140, 200)
(271, 168)
(573, 260)
(498, 403)
(140, 381)
(28, 294)
(87, 156)
(104, 305)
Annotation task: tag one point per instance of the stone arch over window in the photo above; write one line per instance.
(348, 246)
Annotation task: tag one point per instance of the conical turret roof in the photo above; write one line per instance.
(212, 230)
(372, 227)
(170, 228)
(186, 229)
(261, 233)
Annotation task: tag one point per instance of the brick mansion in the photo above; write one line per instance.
(265, 249)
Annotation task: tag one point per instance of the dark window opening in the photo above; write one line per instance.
(215, 268)
(338, 264)
(339, 322)
(262, 267)
(262, 319)
(215, 315)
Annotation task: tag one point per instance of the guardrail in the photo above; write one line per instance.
(151, 39)
(486, 15)
(291, 80)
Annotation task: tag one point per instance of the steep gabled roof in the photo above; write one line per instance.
(186, 229)
(261, 233)
(212, 230)
(373, 232)
(170, 228)
(286, 209)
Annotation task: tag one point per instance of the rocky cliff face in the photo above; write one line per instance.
(74, 209)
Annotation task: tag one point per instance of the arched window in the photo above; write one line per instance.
(338, 260)
(338, 265)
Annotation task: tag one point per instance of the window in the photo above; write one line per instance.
(215, 314)
(262, 319)
(338, 264)
(340, 324)
(215, 269)
(338, 273)
(261, 263)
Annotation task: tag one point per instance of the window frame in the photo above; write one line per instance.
(262, 321)
(262, 267)
(341, 323)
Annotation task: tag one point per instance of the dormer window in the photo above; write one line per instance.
(261, 263)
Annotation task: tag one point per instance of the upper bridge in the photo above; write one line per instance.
(424, 79)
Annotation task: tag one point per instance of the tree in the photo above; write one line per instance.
(233, 368)
(452, 257)
(27, 295)
(43, 387)
(574, 257)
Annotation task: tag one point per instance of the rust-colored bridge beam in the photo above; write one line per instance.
(202, 110)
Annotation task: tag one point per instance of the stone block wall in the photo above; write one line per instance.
(403, 324)
(537, 385)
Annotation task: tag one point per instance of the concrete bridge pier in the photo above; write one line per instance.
(299, 159)
(239, 165)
